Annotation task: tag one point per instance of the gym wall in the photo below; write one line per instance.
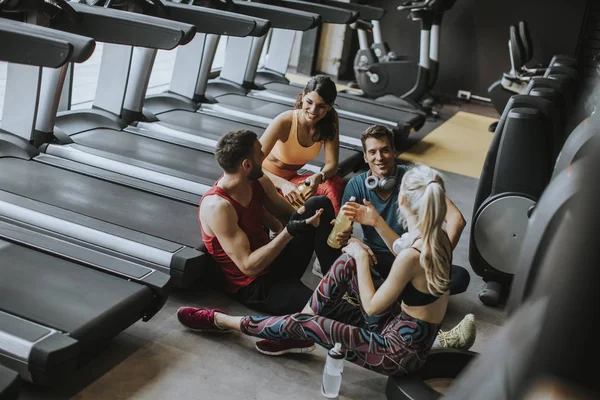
(474, 37)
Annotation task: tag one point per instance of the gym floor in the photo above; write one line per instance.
(159, 359)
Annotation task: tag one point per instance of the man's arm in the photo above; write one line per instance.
(455, 222)
(275, 203)
(271, 222)
(223, 221)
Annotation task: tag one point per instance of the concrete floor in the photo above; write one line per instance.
(158, 359)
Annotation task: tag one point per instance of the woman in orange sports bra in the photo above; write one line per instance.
(296, 137)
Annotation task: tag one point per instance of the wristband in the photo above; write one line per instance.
(299, 227)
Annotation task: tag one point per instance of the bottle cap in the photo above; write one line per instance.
(337, 351)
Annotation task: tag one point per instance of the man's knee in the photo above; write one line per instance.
(316, 202)
(460, 280)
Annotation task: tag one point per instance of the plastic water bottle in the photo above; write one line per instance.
(341, 224)
(303, 188)
(332, 373)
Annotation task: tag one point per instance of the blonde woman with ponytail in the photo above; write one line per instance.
(420, 274)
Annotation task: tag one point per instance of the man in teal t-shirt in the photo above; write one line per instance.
(379, 154)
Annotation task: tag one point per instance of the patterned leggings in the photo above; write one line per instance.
(388, 344)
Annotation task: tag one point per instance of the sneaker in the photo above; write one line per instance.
(462, 336)
(199, 319)
(316, 268)
(284, 346)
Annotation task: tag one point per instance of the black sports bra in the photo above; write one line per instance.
(411, 296)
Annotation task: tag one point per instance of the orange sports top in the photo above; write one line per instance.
(292, 152)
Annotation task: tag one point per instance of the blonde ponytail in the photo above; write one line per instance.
(425, 197)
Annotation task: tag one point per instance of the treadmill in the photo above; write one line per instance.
(10, 384)
(179, 108)
(55, 195)
(272, 78)
(181, 160)
(233, 89)
(60, 301)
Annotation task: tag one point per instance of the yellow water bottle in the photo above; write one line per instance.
(341, 224)
(303, 188)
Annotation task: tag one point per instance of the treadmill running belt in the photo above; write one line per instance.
(354, 103)
(119, 205)
(88, 304)
(156, 152)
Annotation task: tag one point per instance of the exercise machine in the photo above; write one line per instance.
(121, 110)
(515, 81)
(230, 91)
(60, 301)
(529, 138)
(271, 77)
(542, 302)
(59, 196)
(404, 77)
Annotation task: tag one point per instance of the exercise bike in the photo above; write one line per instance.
(379, 71)
(516, 80)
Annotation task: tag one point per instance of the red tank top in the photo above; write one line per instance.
(249, 221)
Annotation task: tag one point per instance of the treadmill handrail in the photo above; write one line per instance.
(126, 28)
(329, 14)
(16, 147)
(211, 21)
(280, 17)
(366, 12)
(35, 45)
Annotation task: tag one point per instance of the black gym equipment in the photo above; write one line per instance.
(95, 137)
(525, 45)
(402, 120)
(37, 189)
(405, 77)
(174, 116)
(60, 300)
(10, 383)
(232, 95)
(548, 298)
(517, 168)
(578, 143)
(516, 80)
(545, 345)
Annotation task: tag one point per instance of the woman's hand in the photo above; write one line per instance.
(343, 236)
(357, 250)
(292, 194)
(372, 257)
(315, 181)
(364, 215)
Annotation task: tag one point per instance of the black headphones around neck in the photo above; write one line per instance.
(385, 184)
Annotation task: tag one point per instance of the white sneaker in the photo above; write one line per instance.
(462, 336)
(316, 268)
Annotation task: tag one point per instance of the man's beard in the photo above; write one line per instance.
(256, 173)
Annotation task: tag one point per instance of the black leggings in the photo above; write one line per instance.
(280, 290)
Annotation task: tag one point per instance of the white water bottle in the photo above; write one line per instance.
(332, 373)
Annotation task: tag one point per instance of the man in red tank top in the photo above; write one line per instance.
(234, 214)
